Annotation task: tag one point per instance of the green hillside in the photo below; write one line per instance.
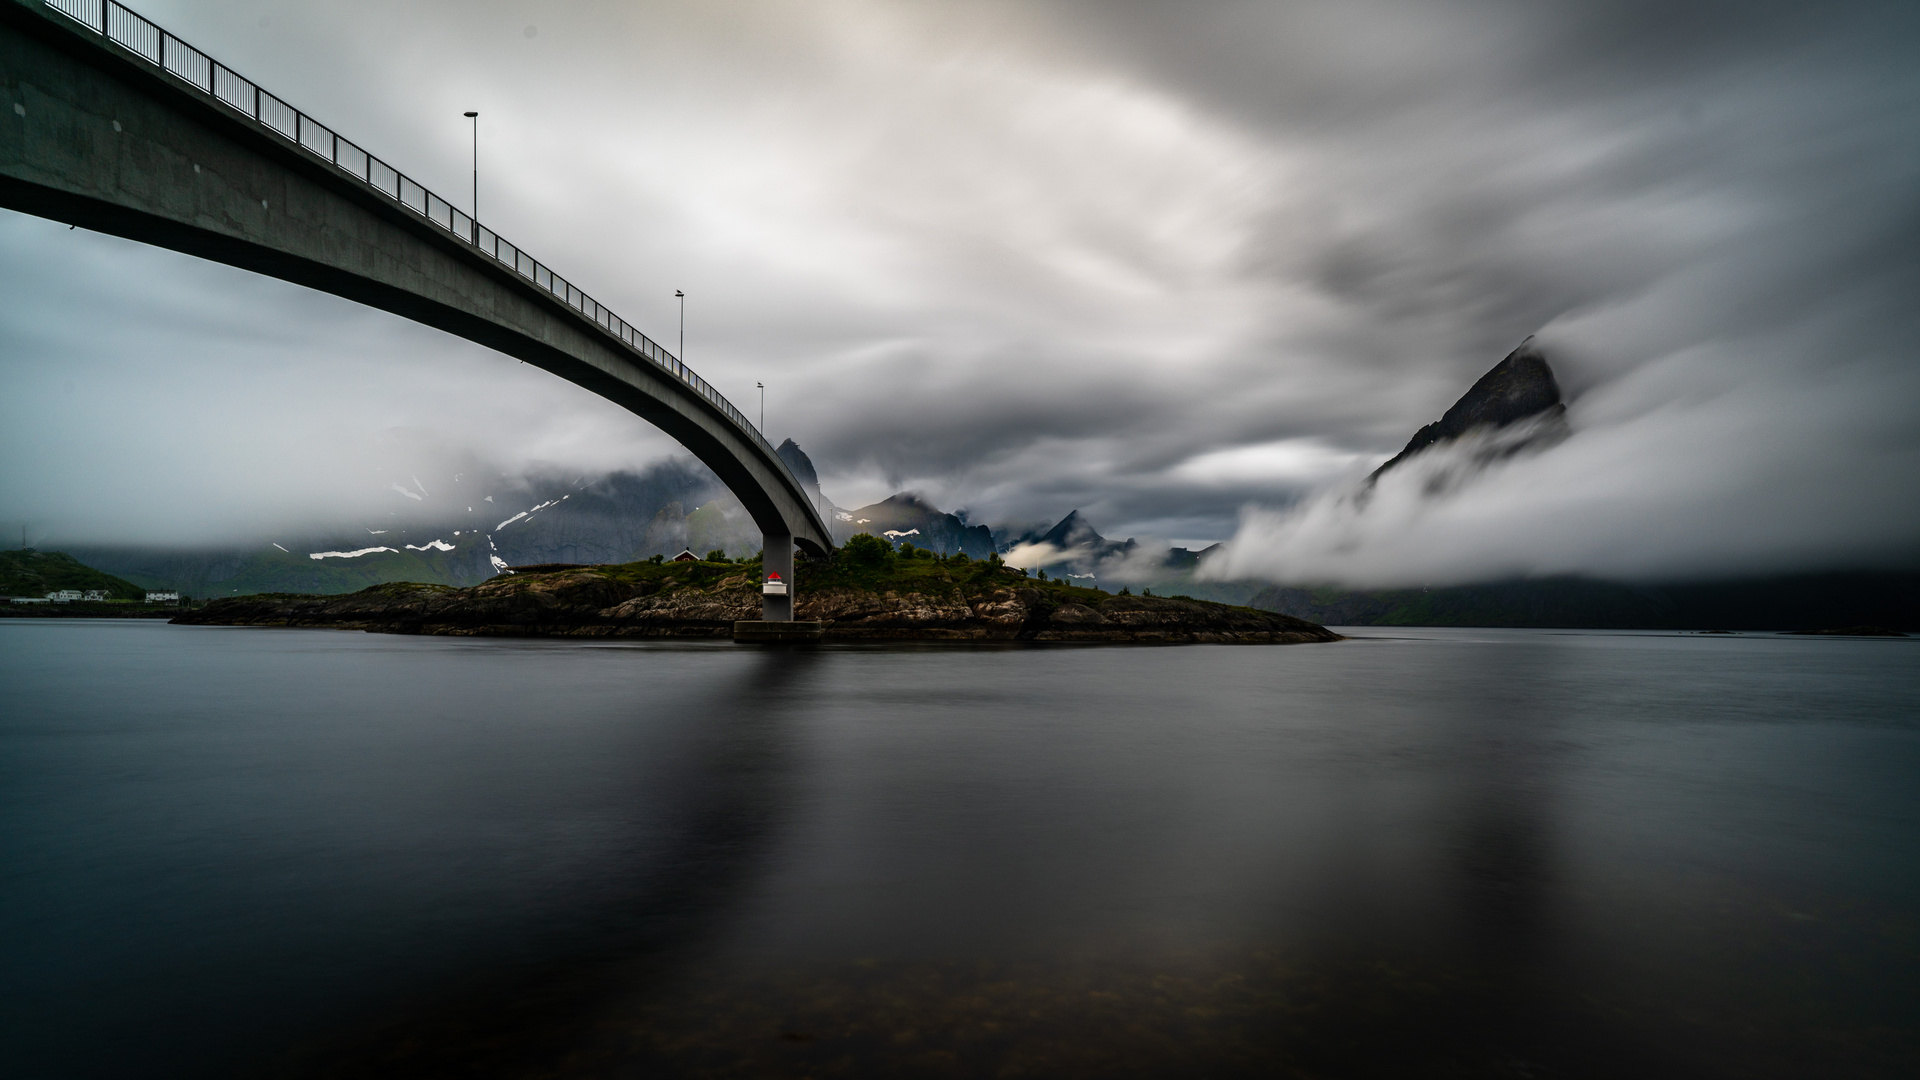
(283, 572)
(27, 572)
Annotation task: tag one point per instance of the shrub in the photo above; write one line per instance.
(1124, 591)
(961, 557)
(906, 549)
(865, 549)
(657, 559)
(716, 555)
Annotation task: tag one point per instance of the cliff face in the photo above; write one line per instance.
(923, 599)
(1519, 387)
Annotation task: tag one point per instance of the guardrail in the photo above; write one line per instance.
(144, 39)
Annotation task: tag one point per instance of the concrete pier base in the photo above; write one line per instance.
(760, 630)
(776, 557)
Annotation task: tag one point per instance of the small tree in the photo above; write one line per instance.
(1124, 591)
(657, 559)
(866, 549)
(716, 555)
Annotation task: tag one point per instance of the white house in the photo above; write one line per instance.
(95, 594)
(63, 596)
(163, 598)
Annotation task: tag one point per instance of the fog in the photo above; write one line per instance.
(1192, 270)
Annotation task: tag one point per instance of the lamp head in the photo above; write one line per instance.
(470, 114)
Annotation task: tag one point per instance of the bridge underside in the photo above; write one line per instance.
(94, 137)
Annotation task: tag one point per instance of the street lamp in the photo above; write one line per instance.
(763, 411)
(682, 297)
(475, 117)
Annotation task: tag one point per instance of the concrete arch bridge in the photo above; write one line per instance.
(113, 124)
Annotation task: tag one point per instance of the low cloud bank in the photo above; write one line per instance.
(1717, 460)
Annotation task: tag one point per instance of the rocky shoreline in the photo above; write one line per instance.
(918, 600)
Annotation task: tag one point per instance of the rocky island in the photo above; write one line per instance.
(868, 592)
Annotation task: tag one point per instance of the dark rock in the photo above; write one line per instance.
(1519, 387)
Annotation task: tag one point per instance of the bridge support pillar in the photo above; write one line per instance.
(777, 558)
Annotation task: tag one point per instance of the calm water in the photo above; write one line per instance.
(1423, 853)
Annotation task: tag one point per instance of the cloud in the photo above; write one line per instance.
(1671, 472)
(1156, 262)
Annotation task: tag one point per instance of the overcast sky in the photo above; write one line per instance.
(1188, 267)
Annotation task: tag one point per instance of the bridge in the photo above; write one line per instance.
(117, 126)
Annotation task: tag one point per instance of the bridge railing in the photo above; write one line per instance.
(144, 39)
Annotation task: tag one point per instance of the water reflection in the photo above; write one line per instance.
(721, 803)
(1486, 855)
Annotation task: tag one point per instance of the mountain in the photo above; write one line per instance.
(1520, 401)
(1790, 602)
(1182, 559)
(803, 470)
(463, 529)
(1520, 387)
(27, 572)
(908, 518)
(1080, 545)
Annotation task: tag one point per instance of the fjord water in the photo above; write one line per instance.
(1421, 852)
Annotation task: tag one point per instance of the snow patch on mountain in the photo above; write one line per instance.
(346, 554)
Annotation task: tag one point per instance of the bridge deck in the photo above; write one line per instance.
(116, 125)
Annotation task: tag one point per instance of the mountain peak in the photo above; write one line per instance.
(1073, 531)
(797, 460)
(1518, 387)
(909, 517)
(907, 500)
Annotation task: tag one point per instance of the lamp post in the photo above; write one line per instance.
(682, 297)
(475, 205)
(763, 411)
